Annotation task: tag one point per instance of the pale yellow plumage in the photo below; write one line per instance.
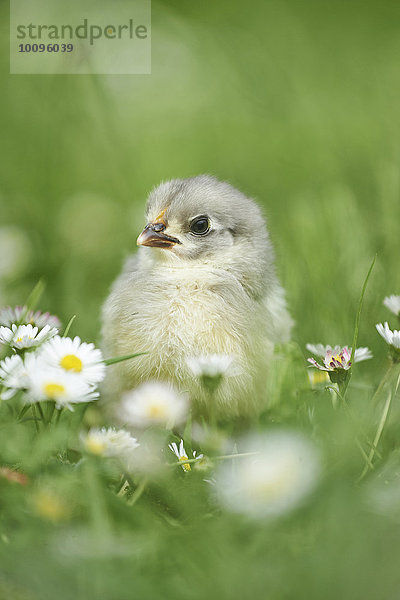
(217, 293)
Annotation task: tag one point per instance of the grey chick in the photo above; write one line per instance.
(202, 283)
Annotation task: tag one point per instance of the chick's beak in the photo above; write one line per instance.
(153, 235)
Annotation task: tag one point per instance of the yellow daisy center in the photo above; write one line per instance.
(54, 390)
(186, 466)
(50, 506)
(70, 362)
(274, 488)
(95, 446)
(156, 411)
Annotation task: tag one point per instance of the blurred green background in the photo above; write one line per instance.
(295, 103)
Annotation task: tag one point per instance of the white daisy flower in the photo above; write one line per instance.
(110, 442)
(211, 369)
(336, 357)
(58, 385)
(284, 469)
(40, 319)
(74, 356)
(153, 403)
(21, 315)
(26, 336)
(393, 304)
(212, 365)
(9, 315)
(182, 454)
(337, 361)
(12, 375)
(362, 354)
(319, 349)
(392, 338)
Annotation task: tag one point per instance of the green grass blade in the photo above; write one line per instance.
(35, 295)
(32, 300)
(117, 359)
(358, 316)
(68, 327)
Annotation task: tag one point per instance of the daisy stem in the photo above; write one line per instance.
(138, 492)
(364, 454)
(41, 413)
(50, 411)
(353, 417)
(10, 408)
(383, 382)
(35, 417)
(58, 417)
(343, 386)
(381, 426)
(223, 457)
(96, 502)
(129, 480)
(121, 486)
(24, 409)
(238, 455)
(212, 409)
(377, 436)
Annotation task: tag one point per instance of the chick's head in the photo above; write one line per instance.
(204, 221)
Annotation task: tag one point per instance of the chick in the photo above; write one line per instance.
(203, 282)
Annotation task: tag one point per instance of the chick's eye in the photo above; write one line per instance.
(200, 225)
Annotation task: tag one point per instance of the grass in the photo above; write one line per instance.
(297, 105)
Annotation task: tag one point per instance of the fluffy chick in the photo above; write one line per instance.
(203, 282)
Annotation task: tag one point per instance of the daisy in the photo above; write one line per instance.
(21, 315)
(182, 455)
(9, 315)
(212, 365)
(12, 375)
(26, 336)
(50, 505)
(392, 338)
(110, 442)
(55, 384)
(153, 403)
(337, 358)
(393, 304)
(211, 369)
(283, 470)
(74, 356)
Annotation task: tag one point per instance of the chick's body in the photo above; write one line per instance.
(203, 282)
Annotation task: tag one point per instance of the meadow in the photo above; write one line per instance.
(297, 105)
